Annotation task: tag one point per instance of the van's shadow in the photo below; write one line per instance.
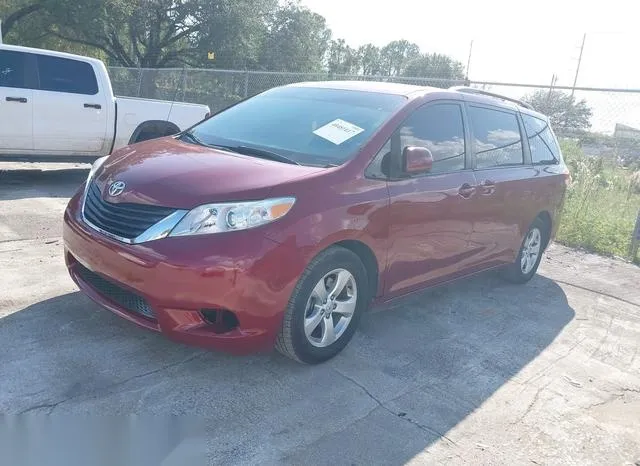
(410, 375)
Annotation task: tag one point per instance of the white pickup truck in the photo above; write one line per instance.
(56, 105)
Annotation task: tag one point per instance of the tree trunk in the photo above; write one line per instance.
(149, 87)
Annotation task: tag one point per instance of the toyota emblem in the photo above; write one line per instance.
(116, 188)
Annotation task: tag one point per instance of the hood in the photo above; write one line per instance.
(172, 173)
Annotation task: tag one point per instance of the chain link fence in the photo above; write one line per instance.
(221, 88)
(614, 122)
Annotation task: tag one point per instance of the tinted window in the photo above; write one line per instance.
(544, 148)
(497, 137)
(12, 69)
(312, 126)
(439, 128)
(64, 75)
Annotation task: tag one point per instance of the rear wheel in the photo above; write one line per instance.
(530, 255)
(325, 307)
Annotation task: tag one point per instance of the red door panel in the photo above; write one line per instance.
(431, 223)
(505, 209)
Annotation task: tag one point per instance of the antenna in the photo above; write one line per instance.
(183, 78)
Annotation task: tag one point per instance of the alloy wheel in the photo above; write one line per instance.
(330, 308)
(530, 250)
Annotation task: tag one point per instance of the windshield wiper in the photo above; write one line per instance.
(246, 150)
(193, 139)
(262, 153)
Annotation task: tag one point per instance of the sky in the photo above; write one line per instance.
(513, 42)
(527, 43)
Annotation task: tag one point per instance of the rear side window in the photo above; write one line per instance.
(12, 69)
(64, 75)
(439, 128)
(542, 142)
(497, 138)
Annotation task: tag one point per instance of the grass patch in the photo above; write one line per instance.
(602, 204)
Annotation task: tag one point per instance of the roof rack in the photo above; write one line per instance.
(473, 90)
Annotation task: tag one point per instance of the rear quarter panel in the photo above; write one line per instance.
(185, 115)
(551, 191)
(133, 111)
(541, 189)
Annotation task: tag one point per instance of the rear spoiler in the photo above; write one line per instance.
(473, 90)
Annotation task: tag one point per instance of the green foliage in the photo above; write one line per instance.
(244, 34)
(395, 56)
(342, 59)
(601, 205)
(369, 59)
(566, 113)
(435, 65)
(297, 40)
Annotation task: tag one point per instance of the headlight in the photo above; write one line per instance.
(233, 216)
(94, 168)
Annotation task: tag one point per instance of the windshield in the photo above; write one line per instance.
(309, 126)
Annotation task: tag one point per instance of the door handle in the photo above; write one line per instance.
(466, 190)
(22, 100)
(96, 106)
(487, 187)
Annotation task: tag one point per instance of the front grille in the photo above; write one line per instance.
(123, 220)
(126, 299)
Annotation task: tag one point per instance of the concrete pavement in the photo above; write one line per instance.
(480, 372)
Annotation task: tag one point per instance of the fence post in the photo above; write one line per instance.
(635, 239)
(140, 71)
(184, 84)
(246, 84)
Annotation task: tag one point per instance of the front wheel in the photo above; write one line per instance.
(530, 255)
(325, 307)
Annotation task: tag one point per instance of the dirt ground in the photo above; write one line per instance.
(479, 372)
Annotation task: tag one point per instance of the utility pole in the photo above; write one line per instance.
(575, 81)
(469, 60)
(554, 79)
(0, 31)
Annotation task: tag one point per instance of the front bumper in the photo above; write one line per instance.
(176, 279)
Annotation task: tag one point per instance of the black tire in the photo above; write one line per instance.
(292, 340)
(514, 273)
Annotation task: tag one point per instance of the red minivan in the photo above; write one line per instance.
(281, 219)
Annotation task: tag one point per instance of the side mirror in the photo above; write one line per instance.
(416, 160)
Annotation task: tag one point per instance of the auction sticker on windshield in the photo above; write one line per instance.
(338, 131)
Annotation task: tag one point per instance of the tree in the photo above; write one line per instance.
(12, 12)
(236, 30)
(297, 40)
(434, 65)
(147, 33)
(369, 59)
(342, 59)
(395, 55)
(565, 112)
(243, 34)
